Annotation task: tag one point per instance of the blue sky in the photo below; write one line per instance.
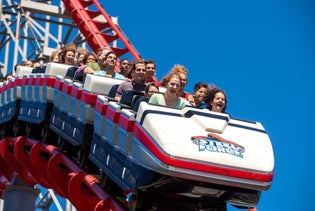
(261, 52)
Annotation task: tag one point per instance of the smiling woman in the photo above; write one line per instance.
(67, 54)
(216, 99)
(170, 98)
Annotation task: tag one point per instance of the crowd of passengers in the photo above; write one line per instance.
(139, 76)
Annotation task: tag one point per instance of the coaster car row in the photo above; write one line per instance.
(190, 157)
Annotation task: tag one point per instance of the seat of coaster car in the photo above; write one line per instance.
(78, 129)
(36, 98)
(128, 98)
(70, 72)
(112, 92)
(78, 76)
(39, 69)
(137, 100)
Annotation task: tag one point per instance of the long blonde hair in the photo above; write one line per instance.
(172, 75)
(178, 69)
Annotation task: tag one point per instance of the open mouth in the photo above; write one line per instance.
(219, 106)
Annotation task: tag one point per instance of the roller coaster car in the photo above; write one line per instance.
(160, 158)
(189, 155)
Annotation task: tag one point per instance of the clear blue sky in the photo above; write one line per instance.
(261, 52)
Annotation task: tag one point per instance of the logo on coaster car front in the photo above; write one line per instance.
(215, 143)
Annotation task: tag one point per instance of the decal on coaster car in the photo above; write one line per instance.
(215, 143)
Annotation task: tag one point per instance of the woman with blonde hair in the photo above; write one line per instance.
(170, 97)
(182, 71)
(55, 56)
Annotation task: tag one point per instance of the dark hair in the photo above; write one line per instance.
(149, 85)
(7, 76)
(125, 59)
(150, 61)
(200, 85)
(137, 62)
(211, 92)
(87, 55)
(110, 52)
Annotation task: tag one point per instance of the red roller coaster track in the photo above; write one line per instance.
(38, 163)
(94, 30)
